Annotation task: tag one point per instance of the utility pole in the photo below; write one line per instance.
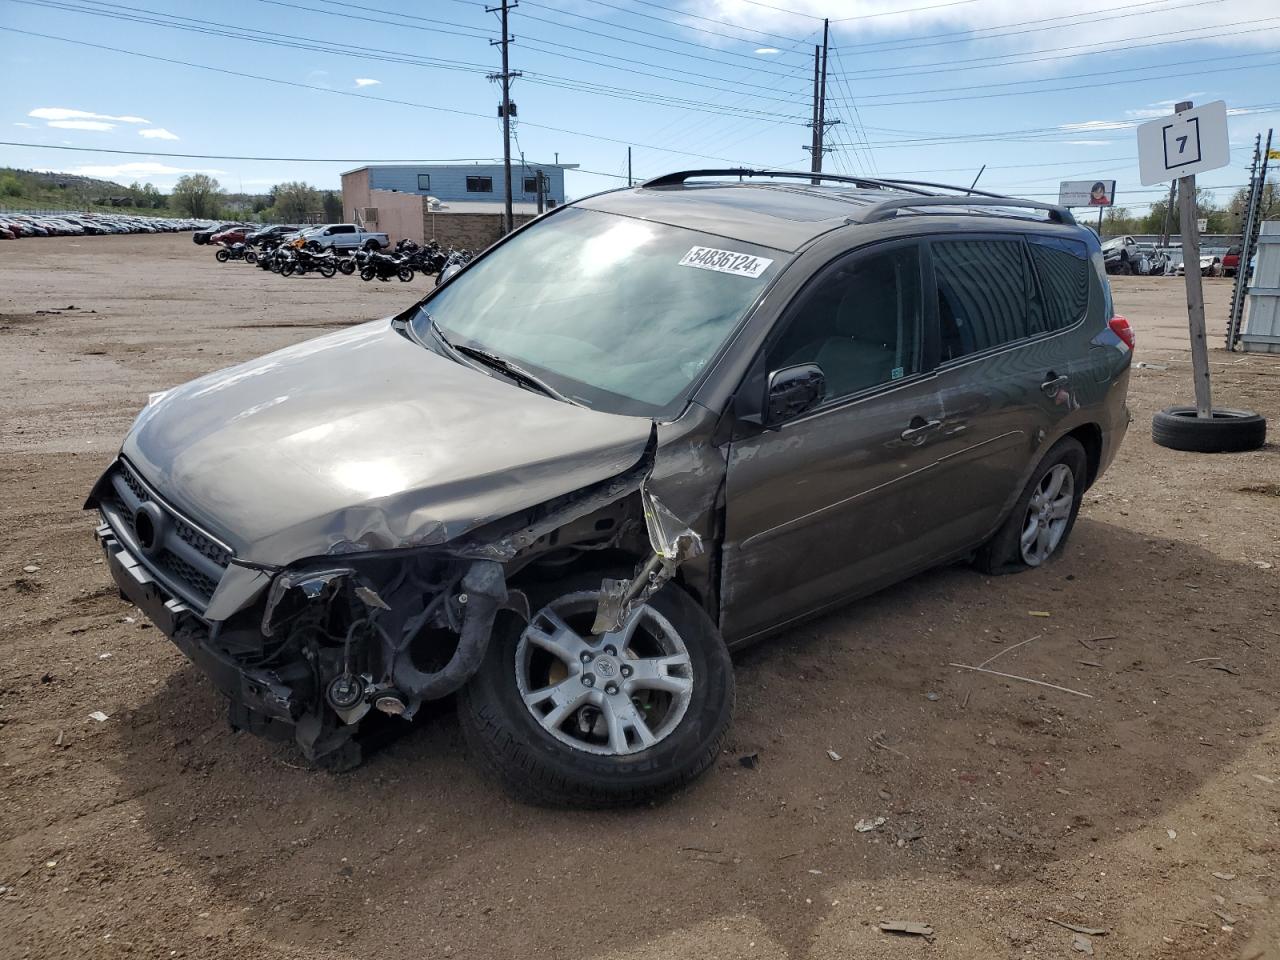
(820, 122)
(506, 76)
(541, 190)
(629, 183)
(1168, 212)
(1195, 292)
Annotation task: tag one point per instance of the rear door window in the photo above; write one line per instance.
(1062, 265)
(985, 292)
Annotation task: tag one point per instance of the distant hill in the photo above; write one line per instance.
(69, 181)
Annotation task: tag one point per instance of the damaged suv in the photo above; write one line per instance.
(650, 426)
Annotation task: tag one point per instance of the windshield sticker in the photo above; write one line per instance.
(726, 261)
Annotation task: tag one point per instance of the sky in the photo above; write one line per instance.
(1037, 92)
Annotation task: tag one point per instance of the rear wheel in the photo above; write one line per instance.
(405, 274)
(367, 273)
(222, 256)
(250, 257)
(327, 270)
(563, 716)
(1041, 520)
(287, 268)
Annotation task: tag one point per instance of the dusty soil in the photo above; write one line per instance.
(1149, 809)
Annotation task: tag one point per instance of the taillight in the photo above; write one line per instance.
(1120, 327)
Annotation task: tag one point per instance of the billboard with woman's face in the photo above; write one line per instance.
(1087, 193)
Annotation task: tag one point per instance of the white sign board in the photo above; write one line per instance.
(1184, 144)
(1086, 193)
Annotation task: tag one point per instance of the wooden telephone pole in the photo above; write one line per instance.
(504, 110)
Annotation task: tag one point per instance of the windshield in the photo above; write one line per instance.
(616, 313)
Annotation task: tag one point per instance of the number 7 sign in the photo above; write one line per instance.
(1184, 144)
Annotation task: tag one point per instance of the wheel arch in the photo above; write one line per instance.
(1090, 437)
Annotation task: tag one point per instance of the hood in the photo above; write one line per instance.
(364, 439)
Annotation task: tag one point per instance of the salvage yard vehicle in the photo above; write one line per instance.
(648, 427)
(1121, 255)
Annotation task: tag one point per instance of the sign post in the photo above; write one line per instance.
(1179, 147)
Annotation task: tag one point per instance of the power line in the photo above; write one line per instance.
(649, 16)
(294, 41)
(955, 65)
(363, 161)
(359, 96)
(916, 43)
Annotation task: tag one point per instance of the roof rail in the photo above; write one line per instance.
(888, 208)
(679, 177)
(884, 209)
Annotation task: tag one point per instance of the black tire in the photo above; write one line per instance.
(222, 256)
(372, 245)
(1230, 431)
(405, 274)
(327, 270)
(287, 268)
(250, 257)
(531, 764)
(1002, 554)
(367, 274)
(348, 267)
(1125, 269)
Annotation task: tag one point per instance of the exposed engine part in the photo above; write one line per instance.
(673, 543)
(485, 588)
(392, 704)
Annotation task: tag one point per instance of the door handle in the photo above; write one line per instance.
(1055, 383)
(919, 430)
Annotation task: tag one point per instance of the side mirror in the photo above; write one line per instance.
(793, 391)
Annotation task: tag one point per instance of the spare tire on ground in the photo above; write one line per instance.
(1228, 431)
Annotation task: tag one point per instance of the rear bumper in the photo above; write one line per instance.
(258, 691)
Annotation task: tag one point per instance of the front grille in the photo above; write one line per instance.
(187, 560)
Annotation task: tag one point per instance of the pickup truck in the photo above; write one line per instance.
(342, 237)
(1120, 255)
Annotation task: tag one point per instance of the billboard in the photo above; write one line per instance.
(1086, 193)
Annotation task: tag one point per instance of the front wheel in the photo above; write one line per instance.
(367, 273)
(348, 267)
(250, 257)
(287, 268)
(405, 274)
(327, 270)
(1042, 518)
(222, 256)
(562, 716)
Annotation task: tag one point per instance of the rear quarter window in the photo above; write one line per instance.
(1063, 267)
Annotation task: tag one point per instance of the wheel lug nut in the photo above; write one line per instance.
(611, 651)
(586, 657)
(588, 679)
(626, 670)
(611, 689)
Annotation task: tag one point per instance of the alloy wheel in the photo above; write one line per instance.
(609, 694)
(1048, 514)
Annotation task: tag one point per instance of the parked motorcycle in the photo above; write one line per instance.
(236, 251)
(384, 266)
(304, 261)
(455, 261)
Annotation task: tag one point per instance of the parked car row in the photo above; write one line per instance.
(16, 225)
(338, 237)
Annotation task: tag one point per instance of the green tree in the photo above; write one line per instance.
(197, 195)
(296, 201)
(332, 206)
(10, 186)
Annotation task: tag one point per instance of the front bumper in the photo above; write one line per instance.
(259, 691)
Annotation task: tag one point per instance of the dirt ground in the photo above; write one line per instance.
(1150, 809)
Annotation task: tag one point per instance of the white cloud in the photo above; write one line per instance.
(766, 50)
(367, 82)
(30, 126)
(81, 125)
(158, 133)
(63, 113)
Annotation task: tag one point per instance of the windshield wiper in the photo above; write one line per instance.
(514, 371)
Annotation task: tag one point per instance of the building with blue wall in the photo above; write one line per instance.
(477, 182)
